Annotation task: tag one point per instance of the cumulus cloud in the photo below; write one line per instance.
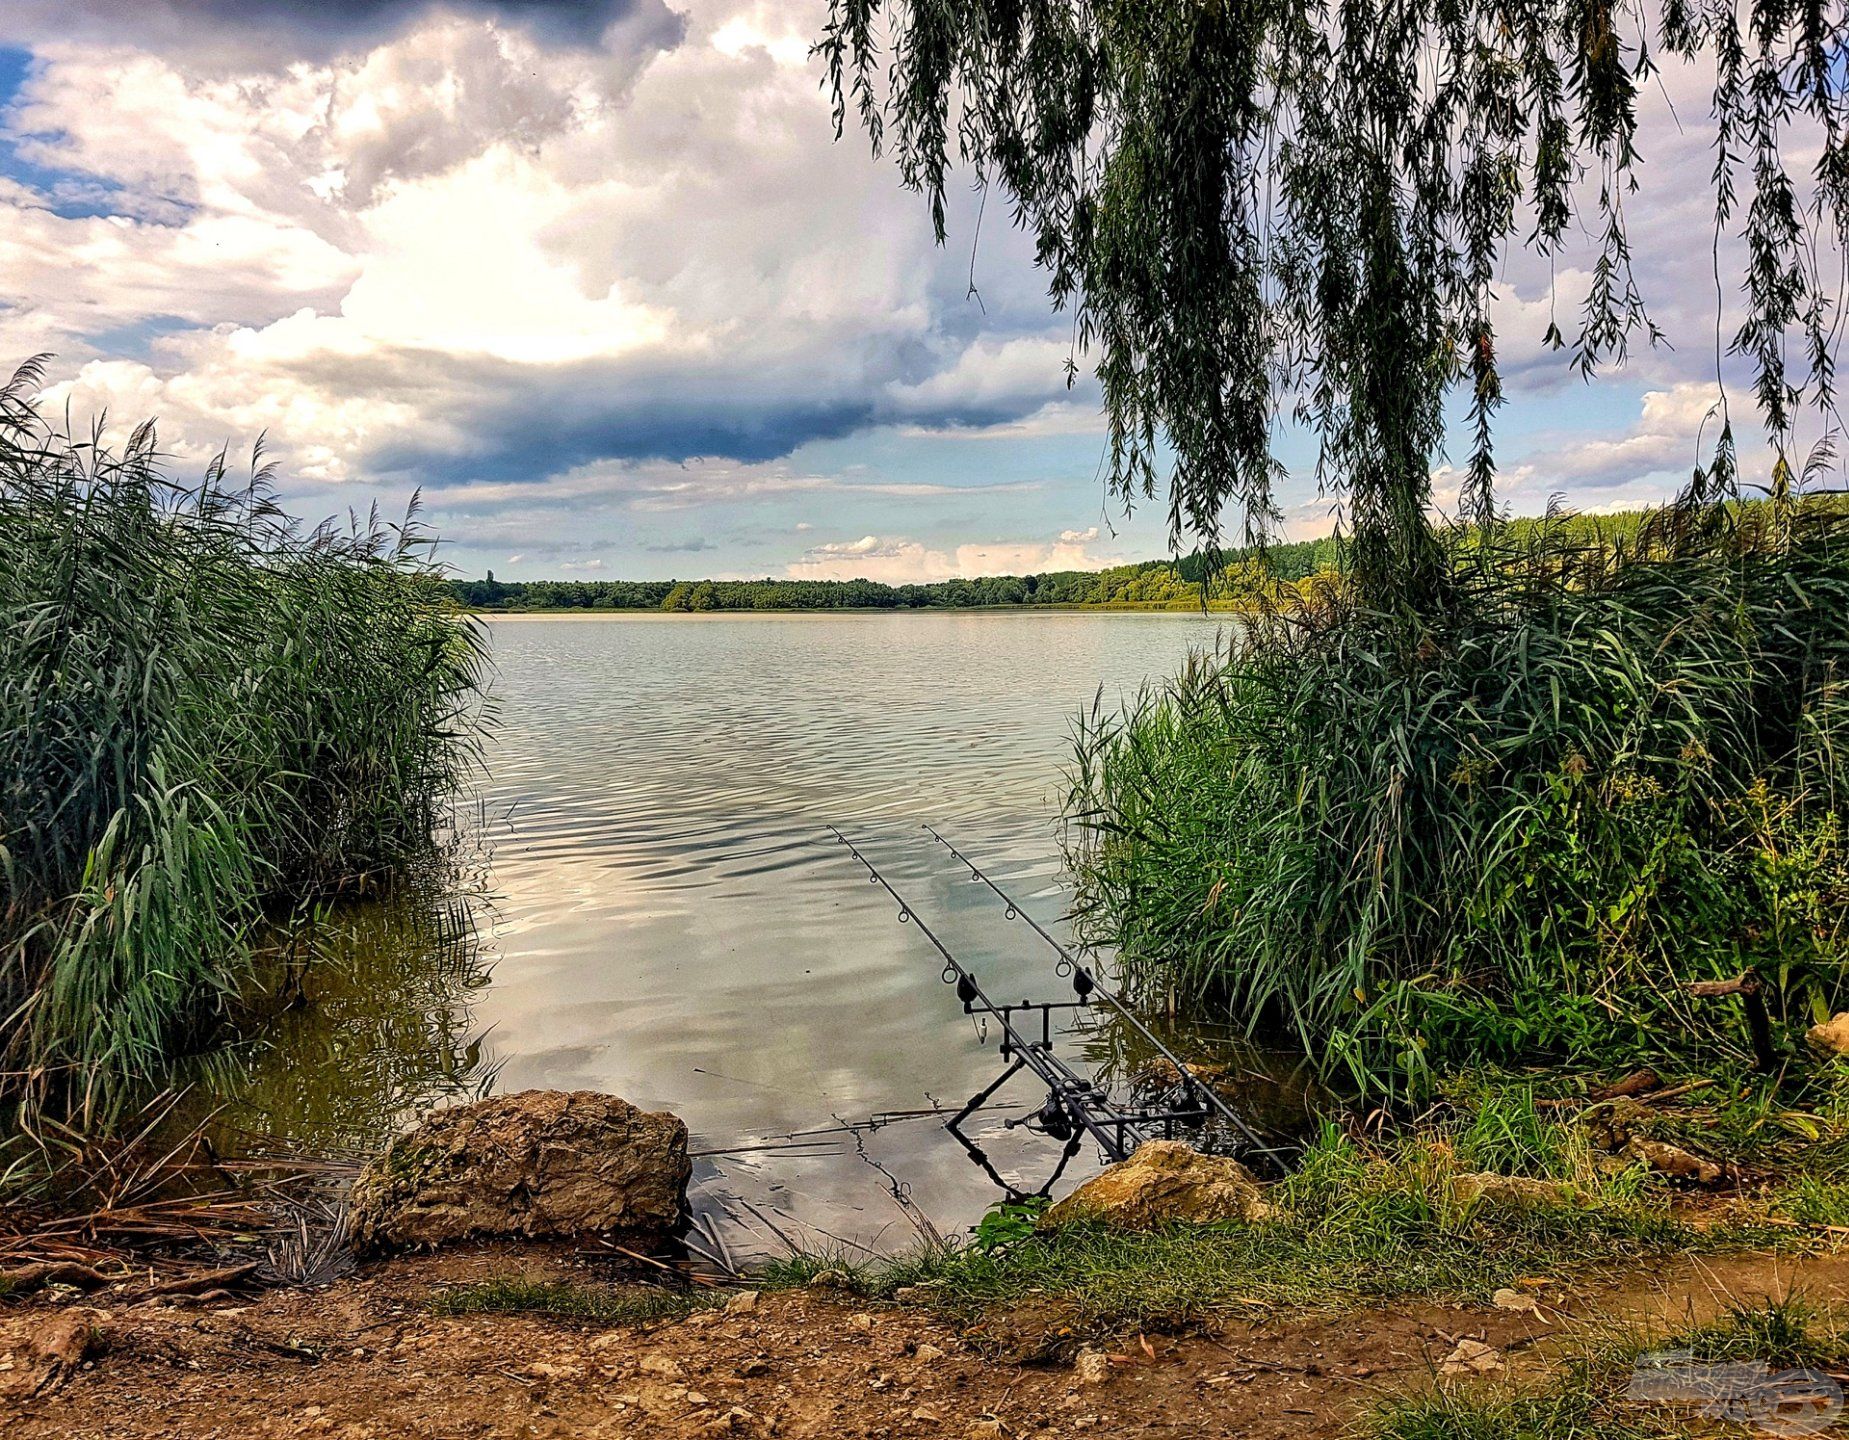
(581, 263)
(275, 34)
(1624, 465)
(451, 257)
(901, 561)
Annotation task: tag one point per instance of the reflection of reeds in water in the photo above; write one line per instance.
(1275, 1092)
(366, 1021)
(370, 1026)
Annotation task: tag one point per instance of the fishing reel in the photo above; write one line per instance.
(1050, 1120)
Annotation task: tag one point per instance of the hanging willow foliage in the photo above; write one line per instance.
(1249, 201)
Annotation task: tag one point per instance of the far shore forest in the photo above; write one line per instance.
(1241, 579)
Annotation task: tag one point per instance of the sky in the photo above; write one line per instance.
(595, 279)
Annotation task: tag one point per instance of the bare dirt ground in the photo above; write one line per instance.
(366, 1358)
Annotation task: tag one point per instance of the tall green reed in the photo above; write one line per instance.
(211, 719)
(1514, 832)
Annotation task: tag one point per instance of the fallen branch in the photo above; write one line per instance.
(1674, 1092)
(205, 1280)
(1749, 987)
(24, 1279)
(1785, 1223)
(1642, 1097)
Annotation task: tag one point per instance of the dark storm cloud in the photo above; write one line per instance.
(495, 420)
(282, 31)
(541, 432)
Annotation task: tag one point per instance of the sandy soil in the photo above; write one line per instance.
(366, 1358)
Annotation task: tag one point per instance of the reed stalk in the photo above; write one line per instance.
(211, 720)
(1513, 832)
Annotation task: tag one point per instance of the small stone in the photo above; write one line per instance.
(927, 1415)
(863, 1321)
(1093, 1367)
(751, 1369)
(1673, 1160)
(930, 1354)
(987, 1428)
(742, 1303)
(1832, 1036)
(1507, 1299)
(64, 1342)
(664, 1366)
(1470, 1357)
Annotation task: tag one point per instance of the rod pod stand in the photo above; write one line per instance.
(1076, 1108)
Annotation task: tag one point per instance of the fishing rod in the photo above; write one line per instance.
(1085, 984)
(1035, 1055)
(1076, 1106)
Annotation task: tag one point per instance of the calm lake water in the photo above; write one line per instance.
(671, 920)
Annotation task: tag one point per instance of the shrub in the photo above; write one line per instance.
(1511, 830)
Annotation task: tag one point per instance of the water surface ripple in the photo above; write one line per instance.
(674, 923)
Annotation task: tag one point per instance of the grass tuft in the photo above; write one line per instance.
(1356, 1223)
(1590, 1397)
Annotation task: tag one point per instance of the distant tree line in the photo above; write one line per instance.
(1237, 579)
(1151, 583)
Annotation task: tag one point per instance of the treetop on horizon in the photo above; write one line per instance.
(1251, 200)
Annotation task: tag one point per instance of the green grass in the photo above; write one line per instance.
(1587, 1400)
(213, 720)
(1355, 1223)
(567, 1300)
(1566, 1413)
(1510, 832)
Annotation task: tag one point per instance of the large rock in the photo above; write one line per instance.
(536, 1164)
(1164, 1183)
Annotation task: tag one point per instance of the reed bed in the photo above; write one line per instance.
(1514, 831)
(213, 720)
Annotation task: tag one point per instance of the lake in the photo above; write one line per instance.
(670, 919)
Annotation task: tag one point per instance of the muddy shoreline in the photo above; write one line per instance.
(368, 1357)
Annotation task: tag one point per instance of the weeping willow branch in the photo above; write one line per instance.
(1276, 202)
